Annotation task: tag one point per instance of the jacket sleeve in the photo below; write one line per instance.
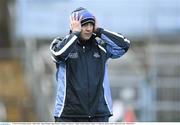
(60, 48)
(116, 45)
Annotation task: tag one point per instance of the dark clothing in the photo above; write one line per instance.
(76, 119)
(83, 86)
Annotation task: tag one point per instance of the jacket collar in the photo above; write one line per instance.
(86, 42)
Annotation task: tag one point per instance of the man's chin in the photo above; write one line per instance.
(86, 38)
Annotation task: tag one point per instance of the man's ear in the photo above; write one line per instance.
(94, 29)
(95, 25)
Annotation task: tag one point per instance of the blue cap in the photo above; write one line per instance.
(87, 17)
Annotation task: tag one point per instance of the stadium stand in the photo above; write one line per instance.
(13, 92)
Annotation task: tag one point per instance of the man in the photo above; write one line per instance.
(83, 93)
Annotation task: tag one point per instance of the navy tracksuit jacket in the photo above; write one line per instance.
(82, 77)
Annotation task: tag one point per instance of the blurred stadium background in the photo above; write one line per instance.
(145, 83)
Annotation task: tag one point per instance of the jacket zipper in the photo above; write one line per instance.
(84, 50)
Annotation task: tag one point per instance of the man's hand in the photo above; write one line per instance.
(75, 23)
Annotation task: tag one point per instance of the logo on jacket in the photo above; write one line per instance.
(73, 55)
(96, 55)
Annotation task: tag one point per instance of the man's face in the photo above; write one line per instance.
(86, 31)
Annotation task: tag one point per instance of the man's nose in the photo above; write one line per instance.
(89, 27)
